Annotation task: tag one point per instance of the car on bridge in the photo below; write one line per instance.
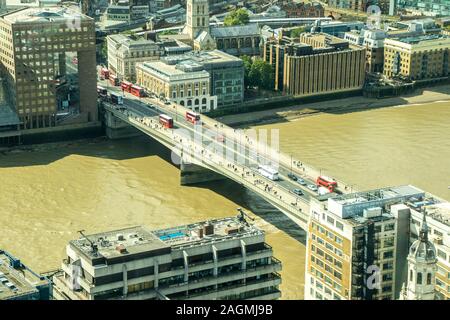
(292, 176)
(298, 192)
(301, 182)
(312, 187)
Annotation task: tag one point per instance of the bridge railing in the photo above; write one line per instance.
(277, 194)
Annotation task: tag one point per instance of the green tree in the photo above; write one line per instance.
(295, 33)
(236, 17)
(247, 67)
(258, 73)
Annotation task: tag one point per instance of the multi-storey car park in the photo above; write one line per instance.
(216, 259)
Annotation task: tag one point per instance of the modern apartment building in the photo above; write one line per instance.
(316, 64)
(47, 58)
(18, 282)
(352, 247)
(217, 259)
(202, 81)
(417, 58)
(124, 52)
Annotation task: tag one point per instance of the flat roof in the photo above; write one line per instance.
(45, 14)
(222, 229)
(109, 244)
(16, 282)
(378, 194)
(171, 72)
(139, 239)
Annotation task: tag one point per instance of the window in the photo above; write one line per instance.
(419, 278)
(441, 254)
(389, 227)
(387, 276)
(388, 254)
(429, 278)
(330, 220)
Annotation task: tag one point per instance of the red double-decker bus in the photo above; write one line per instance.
(113, 80)
(126, 86)
(104, 73)
(137, 91)
(166, 121)
(326, 182)
(192, 117)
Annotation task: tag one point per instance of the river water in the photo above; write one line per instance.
(49, 193)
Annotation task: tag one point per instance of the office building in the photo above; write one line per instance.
(48, 62)
(316, 64)
(217, 259)
(201, 81)
(124, 52)
(18, 282)
(356, 247)
(417, 58)
(373, 41)
(336, 28)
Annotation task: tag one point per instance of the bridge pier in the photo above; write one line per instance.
(191, 174)
(118, 129)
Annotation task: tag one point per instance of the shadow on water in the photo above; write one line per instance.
(144, 146)
(123, 149)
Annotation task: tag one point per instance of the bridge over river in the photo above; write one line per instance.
(212, 151)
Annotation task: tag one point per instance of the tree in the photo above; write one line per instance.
(247, 67)
(258, 73)
(295, 33)
(236, 17)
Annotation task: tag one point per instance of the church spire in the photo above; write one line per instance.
(423, 234)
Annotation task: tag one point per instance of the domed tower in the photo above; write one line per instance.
(421, 267)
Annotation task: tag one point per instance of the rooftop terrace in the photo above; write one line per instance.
(139, 239)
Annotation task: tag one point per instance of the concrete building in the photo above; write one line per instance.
(18, 282)
(185, 83)
(316, 64)
(202, 81)
(124, 52)
(357, 245)
(417, 58)
(217, 259)
(48, 62)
